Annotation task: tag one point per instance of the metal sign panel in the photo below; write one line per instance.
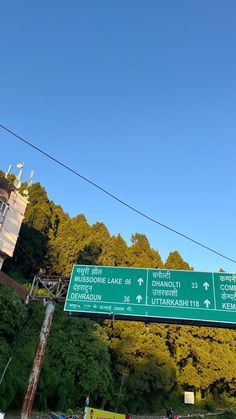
(153, 295)
(189, 397)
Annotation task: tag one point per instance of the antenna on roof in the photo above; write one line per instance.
(8, 171)
(17, 182)
(25, 191)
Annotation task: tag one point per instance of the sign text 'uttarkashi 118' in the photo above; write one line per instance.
(152, 294)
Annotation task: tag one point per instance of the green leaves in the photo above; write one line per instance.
(175, 261)
(12, 318)
(141, 255)
(77, 358)
(139, 352)
(12, 313)
(144, 365)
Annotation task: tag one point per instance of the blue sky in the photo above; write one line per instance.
(139, 97)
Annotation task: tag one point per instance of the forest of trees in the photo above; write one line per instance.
(155, 363)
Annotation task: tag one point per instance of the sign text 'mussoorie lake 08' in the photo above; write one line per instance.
(153, 295)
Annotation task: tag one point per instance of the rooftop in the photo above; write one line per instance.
(5, 184)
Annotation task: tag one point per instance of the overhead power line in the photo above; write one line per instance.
(70, 169)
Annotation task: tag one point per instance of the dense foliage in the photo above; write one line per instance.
(127, 366)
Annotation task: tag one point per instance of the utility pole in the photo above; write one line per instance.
(38, 360)
(55, 290)
(120, 390)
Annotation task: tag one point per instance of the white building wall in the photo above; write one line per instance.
(11, 225)
(1, 262)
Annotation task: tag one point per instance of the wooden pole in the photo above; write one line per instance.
(38, 360)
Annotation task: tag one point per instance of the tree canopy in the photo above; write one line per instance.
(147, 366)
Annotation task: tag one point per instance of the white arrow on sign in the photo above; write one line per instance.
(139, 298)
(207, 303)
(140, 281)
(206, 285)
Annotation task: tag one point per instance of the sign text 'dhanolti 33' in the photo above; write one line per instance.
(153, 295)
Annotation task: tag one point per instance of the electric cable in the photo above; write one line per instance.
(13, 350)
(111, 195)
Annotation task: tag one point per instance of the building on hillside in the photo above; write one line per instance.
(12, 210)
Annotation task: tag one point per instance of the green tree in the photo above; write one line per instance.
(98, 243)
(206, 359)
(31, 246)
(77, 363)
(14, 317)
(139, 353)
(72, 236)
(175, 261)
(141, 255)
(115, 253)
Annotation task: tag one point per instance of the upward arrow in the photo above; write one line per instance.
(139, 298)
(206, 285)
(140, 281)
(207, 303)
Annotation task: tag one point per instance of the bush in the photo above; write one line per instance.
(229, 414)
(210, 403)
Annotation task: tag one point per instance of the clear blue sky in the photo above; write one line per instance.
(138, 96)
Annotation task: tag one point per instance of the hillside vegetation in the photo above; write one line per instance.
(155, 363)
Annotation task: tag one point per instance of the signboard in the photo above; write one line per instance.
(92, 413)
(153, 295)
(189, 397)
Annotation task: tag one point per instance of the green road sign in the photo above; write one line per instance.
(153, 295)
